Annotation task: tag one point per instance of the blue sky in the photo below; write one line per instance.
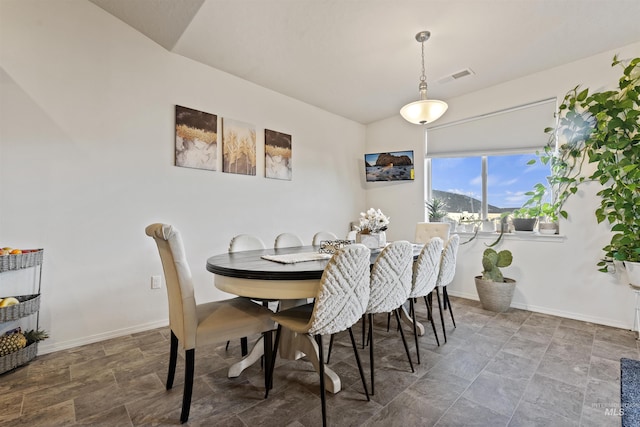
(509, 177)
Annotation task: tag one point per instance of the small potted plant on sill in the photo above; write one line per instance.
(524, 218)
(468, 222)
(494, 290)
(437, 209)
(548, 221)
(546, 213)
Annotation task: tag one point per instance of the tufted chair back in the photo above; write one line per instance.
(448, 262)
(343, 292)
(177, 274)
(427, 268)
(391, 277)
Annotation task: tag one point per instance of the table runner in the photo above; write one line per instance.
(293, 258)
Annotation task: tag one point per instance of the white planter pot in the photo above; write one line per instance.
(488, 226)
(633, 272)
(373, 240)
(547, 228)
(495, 296)
(465, 227)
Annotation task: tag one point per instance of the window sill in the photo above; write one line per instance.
(518, 235)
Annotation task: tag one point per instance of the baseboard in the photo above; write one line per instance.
(546, 310)
(44, 347)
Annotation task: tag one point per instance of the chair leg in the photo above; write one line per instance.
(371, 363)
(244, 346)
(404, 341)
(388, 320)
(355, 351)
(190, 356)
(444, 331)
(364, 328)
(433, 325)
(173, 358)
(445, 296)
(323, 399)
(330, 347)
(267, 339)
(415, 329)
(273, 361)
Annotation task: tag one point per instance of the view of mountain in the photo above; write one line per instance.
(459, 203)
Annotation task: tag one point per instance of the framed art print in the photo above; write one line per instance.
(277, 155)
(196, 139)
(238, 147)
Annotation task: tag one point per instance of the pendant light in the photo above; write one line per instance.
(425, 110)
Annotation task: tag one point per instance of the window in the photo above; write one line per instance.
(483, 187)
(479, 165)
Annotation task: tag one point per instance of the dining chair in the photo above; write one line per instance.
(323, 235)
(196, 325)
(245, 242)
(341, 301)
(287, 240)
(425, 275)
(425, 231)
(390, 286)
(445, 276)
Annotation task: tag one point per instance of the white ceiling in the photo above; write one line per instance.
(359, 58)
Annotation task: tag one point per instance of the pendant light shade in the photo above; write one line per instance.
(424, 110)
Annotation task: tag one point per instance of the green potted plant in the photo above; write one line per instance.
(603, 128)
(468, 222)
(524, 218)
(437, 209)
(614, 144)
(545, 211)
(494, 290)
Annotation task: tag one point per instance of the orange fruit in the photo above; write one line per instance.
(15, 252)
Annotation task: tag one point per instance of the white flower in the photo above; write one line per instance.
(373, 221)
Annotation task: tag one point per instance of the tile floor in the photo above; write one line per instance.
(512, 369)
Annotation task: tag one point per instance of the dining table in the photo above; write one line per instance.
(292, 277)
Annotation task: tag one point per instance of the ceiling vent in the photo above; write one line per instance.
(457, 75)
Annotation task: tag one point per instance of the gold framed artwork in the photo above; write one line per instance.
(196, 144)
(277, 155)
(238, 147)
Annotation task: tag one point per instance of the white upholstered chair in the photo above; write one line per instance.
(341, 301)
(390, 286)
(425, 231)
(447, 272)
(287, 240)
(352, 235)
(196, 325)
(245, 242)
(323, 235)
(425, 275)
(248, 242)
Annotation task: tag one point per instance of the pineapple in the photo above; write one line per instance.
(15, 340)
(35, 336)
(12, 341)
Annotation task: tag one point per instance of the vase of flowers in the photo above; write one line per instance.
(372, 227)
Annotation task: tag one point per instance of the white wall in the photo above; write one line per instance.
(398, 199)
(556, 276)
(86, 162)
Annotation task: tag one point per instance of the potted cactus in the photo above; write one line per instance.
(494, 290)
